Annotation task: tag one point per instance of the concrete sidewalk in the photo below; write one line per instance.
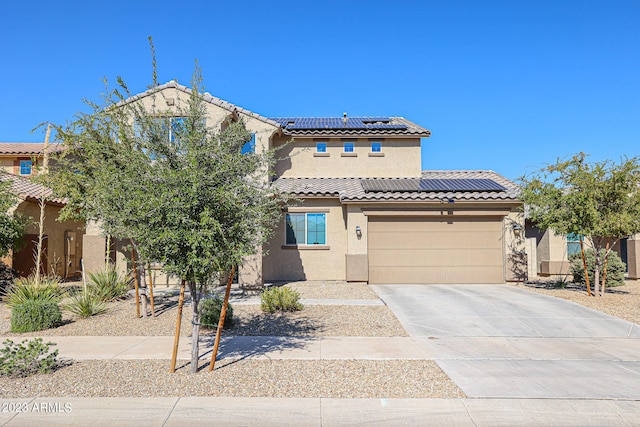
(198, 411)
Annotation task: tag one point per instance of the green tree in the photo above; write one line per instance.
(11, 226)
(600, 201)
(192, 201)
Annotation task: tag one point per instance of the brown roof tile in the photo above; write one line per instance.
(27, 189)
(351, 190)
(27, 148)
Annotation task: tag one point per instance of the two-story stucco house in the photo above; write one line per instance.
(367, 210)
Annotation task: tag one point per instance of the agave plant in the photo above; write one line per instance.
(85, 304)
(28, 289)
(108, 284)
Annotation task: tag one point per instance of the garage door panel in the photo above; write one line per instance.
(437, 257)
(435, 250)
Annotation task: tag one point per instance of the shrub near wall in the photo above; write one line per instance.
(35, 316)
(615, 268)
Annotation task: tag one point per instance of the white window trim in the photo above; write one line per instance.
(325, 245)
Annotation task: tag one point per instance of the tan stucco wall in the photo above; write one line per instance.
(347, 257)
(308, 263)
(57, 255)
(299, 158)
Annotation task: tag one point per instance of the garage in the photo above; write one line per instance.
(435, 249)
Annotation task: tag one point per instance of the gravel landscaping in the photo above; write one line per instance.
(621, 301)
(248, 377)
(244, 378)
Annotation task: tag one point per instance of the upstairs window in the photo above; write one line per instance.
(306, 229)
(376, 147)
(321, 147)
(26, 167)
(348, 147)
(249, 146)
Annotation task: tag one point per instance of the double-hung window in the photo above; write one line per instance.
(26, 167)
(376, 147)
(348, 147)
(306, 229)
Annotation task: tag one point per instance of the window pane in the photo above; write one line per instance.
(573, 244)
(25, 167)
(376, 147)
(316, 229)
(249, 146)
(321, 147)
(295, 229)
(177, 127)
(348, 147)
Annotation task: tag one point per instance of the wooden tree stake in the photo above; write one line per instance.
(135, 279)
(176, 340)
(153, 311)
(223, 313)
(584, 263)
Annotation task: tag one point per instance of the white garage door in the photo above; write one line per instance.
(433, 250)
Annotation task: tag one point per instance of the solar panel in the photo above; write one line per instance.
(429, 185)
(352, 123)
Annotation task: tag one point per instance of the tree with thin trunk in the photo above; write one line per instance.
(599, 202)
(12, 226)
(182, 190)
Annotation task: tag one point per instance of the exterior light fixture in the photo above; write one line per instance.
(358, 231)
(517, 229)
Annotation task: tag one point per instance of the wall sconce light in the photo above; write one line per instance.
(517, 229)
(358, 231)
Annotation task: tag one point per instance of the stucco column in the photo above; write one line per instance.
(633, 256)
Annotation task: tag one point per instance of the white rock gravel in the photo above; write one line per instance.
(244, 378)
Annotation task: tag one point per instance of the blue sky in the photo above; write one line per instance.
(502, 85)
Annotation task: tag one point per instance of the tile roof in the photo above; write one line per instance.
(350, 126)
(27, 189)
(351, 189)
(207, 98)
(27, 148)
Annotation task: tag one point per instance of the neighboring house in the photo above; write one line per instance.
(23, 158)
(549, 253)
(62, 241)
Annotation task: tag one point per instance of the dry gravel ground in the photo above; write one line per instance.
(245, 378)
(248, 377)
(621, 301)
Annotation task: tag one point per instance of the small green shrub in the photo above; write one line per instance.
(280, 299)
(7, 276)
(25, 289)
(18, 360)
(615, 268)
(85, 304)
(109, 285)
(210, 309)
(35, 316)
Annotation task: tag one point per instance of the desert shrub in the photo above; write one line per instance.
(280, 299)
(109, 285)
(85, 304)
(615, 268)
(35, 316)
(210, 309)
(7, 275)
(24, 289)
(18, 360)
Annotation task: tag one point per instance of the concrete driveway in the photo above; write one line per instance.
(498, 341)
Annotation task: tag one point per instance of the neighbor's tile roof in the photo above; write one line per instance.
(27, 189)
(27, 148)
(350, 126)
(351, 189)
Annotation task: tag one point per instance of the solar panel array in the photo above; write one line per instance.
(429, 185)
(354, 123)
